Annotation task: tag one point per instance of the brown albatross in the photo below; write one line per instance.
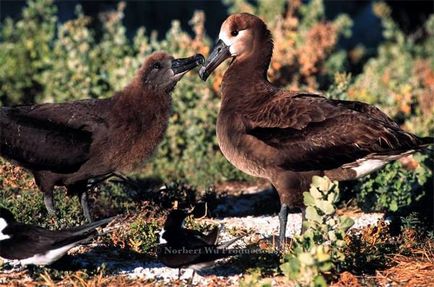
(287, 136)
(76, 144)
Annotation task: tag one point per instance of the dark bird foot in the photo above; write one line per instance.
(49, 203)
(85, 206)
(283, 219)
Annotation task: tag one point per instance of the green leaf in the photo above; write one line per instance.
(326, 266)
(315, 192)
(332, 197)
(291, 268)
(346, 222)
(319, 281)
(308, 199)
(322, 183)
(306, 259)
(312, 214)
(393, 206)
(339, 256)
(332, 235)
(325, 206)
(322, 255)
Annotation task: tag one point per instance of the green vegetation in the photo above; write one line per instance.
(328, 252)
(45, 61)
(394, 188)
(320, 248)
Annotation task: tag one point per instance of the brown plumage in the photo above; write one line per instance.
(287, 136)
(71, 144)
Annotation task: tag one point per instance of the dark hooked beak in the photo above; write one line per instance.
(183, 65)
(217, 56)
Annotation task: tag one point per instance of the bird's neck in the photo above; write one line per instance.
(141, 103)
(248, 76)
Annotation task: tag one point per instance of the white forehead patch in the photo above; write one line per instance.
(161, 240)
(3, 225)
(229, 40)
(225, 38)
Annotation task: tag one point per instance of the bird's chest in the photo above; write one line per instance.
(136, 146)
(231, 138)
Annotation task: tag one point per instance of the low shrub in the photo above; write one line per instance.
(319, 251)
(394, 187)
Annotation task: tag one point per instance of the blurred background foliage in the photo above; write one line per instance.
(45, 60)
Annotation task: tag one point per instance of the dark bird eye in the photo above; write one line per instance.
(234, 33)
(156, 66)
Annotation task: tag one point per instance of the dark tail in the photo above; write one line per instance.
(82, 234)
(88, 228)
(218, 253)
(228, 243)
(425, 144)
(426, 141)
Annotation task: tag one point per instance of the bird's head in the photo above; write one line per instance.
(241, 36)
(176, 219)
(6, 215)
(6, 218)
(161, 71)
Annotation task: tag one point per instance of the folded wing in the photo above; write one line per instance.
(54, 137)
(310, 132)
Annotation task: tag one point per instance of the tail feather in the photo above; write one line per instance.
(215, 254)
(81, 230)
(81, 234)
(426, 141)
(228, 243)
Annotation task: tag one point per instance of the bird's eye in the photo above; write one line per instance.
(234, 33)
(156, 66)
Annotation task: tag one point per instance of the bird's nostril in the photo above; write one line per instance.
(219, 49)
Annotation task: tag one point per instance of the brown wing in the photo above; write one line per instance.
(54, 137)
(310, 132)
(88, 115)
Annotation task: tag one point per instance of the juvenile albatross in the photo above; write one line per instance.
(76, 144)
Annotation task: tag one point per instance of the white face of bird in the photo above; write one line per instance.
(238, 39)
(239, 42)
(3, 225)
(161, 240)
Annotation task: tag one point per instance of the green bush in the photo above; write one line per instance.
(320, 248)
(40, 66)
(25, 52)
(393, 188)
(400, 78)
(44, 61)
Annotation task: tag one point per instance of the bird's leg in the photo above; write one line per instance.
(46, 185)
(283, 219)
(80, 189)
(49, 202)
(85, 205)
(190, 282)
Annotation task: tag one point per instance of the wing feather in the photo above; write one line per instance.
(310, 132)
(54, 137)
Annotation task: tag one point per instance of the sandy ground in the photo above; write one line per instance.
(258, 227)
(238, 219)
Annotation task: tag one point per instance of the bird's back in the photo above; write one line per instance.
(55, 137)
